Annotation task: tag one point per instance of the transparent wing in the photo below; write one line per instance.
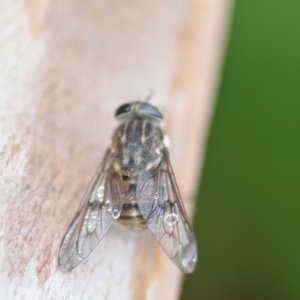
(101, 204)
(161, 205)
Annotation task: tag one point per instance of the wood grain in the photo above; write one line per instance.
(65, 67)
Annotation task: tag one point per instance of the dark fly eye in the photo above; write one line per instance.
(149, 110)
(138, 110)
(125, 108)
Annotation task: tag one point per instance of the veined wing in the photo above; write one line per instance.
(101, 204)
(161, 205)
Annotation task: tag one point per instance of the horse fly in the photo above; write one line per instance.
(134, 186)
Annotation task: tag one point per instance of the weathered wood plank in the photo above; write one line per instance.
(65, 67)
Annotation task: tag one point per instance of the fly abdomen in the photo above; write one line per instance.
(131, 217)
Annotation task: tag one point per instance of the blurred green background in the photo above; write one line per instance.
(248, 210)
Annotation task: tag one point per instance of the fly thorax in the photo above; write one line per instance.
(137, 146)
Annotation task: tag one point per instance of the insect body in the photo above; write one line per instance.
(134, 186)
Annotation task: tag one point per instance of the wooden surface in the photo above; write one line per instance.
(65, 67)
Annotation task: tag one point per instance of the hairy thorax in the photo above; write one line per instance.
(136, 147)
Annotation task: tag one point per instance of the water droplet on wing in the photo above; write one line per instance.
(116, 214)
(100, 193)
(171, 219)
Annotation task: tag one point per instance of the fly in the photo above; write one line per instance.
(134, 186)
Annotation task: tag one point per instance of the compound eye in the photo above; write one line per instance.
(123, 109)
(150, 110)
